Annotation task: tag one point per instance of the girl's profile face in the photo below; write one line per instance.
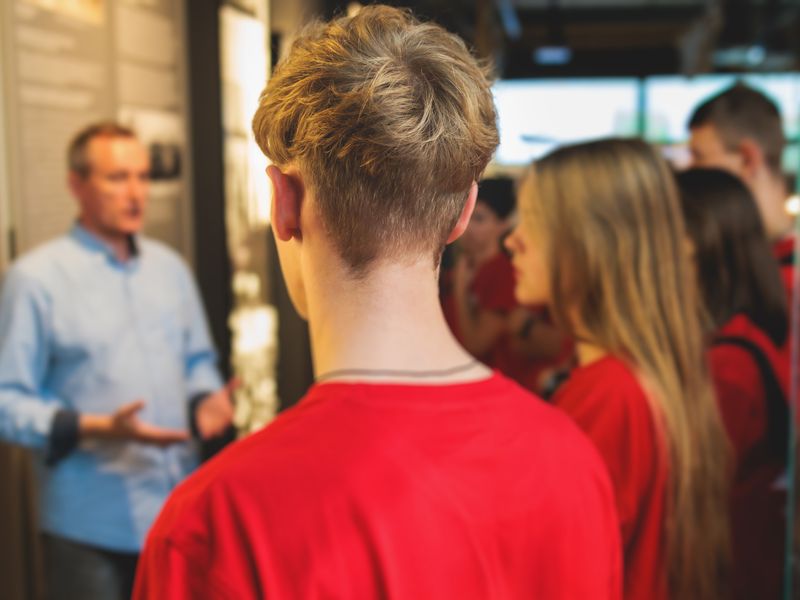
(527, 246)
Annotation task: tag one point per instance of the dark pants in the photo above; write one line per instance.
(75, 571)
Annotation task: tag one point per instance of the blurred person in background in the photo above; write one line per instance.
(409, 470)
(601, 240)
(520, 342)
(740, 130)
(745, 306)
(103, 350)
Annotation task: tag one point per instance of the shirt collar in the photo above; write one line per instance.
(90, 241)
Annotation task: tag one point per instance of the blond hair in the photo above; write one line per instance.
(614, 239)
(391, 120)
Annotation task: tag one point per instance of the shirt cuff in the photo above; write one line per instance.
(194, 403)
(64, 435)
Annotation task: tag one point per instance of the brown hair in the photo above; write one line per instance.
(77, 153)
(742, 112)
(391, 120)
(614, 239)
(736, 267)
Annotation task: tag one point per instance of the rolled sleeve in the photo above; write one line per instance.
(27, 413)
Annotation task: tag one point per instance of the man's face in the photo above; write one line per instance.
(113, 195)
(709, 151)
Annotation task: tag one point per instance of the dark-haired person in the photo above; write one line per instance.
(409, 470)
(103, 349)
(485, 316)
(745, 301)
(601, 240)
(739, 130)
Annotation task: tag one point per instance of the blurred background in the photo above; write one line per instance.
(186, 75)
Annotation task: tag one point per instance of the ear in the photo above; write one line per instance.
(466, 214)
(75, 183)
(752, 158)
(287, 199)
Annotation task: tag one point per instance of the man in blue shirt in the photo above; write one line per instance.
(106, 364)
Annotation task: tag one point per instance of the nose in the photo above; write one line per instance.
(510, 241)
(138, 188)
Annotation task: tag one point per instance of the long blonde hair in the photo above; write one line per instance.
(615, 244)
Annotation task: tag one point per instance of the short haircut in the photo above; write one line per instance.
(391, 120)
(742, 112)
(736, 267)
(498, 194)
(77, 153)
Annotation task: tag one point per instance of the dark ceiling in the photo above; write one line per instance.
(622, 37)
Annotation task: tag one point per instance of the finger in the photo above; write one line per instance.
(233, 384)
(130, 409)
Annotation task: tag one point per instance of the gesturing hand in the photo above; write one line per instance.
(214, 414)
(124, 424)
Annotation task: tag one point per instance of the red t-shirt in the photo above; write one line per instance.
(757, 505)
(606, 400)
(475, 490)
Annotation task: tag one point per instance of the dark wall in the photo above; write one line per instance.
(210, 243)
(211, 251)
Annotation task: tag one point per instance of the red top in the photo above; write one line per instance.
(757, 505)
(493, 290)
(606, 400)
(476, 490)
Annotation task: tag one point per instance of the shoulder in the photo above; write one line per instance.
(733, 363)
(165, 263)
(40, 267)
(156, 250)
(607, 377)
(606, 395)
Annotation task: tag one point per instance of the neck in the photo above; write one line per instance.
(388, 323)
(588, 352)
(771, 192)
(119, 243)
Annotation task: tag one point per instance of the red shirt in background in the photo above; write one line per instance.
(606, 400)
(469, 491)
(757, 506)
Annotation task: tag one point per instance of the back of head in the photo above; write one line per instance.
(390, 120)
(78, 150)
(498, 194)
(735, 264)
(614, 237)
(742, 112)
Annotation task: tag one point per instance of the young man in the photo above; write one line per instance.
(408, 470)
(740, 130)
(103, 349)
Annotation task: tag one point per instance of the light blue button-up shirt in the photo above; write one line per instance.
(81, 331)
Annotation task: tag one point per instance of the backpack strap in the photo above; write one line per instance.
(776, 439)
